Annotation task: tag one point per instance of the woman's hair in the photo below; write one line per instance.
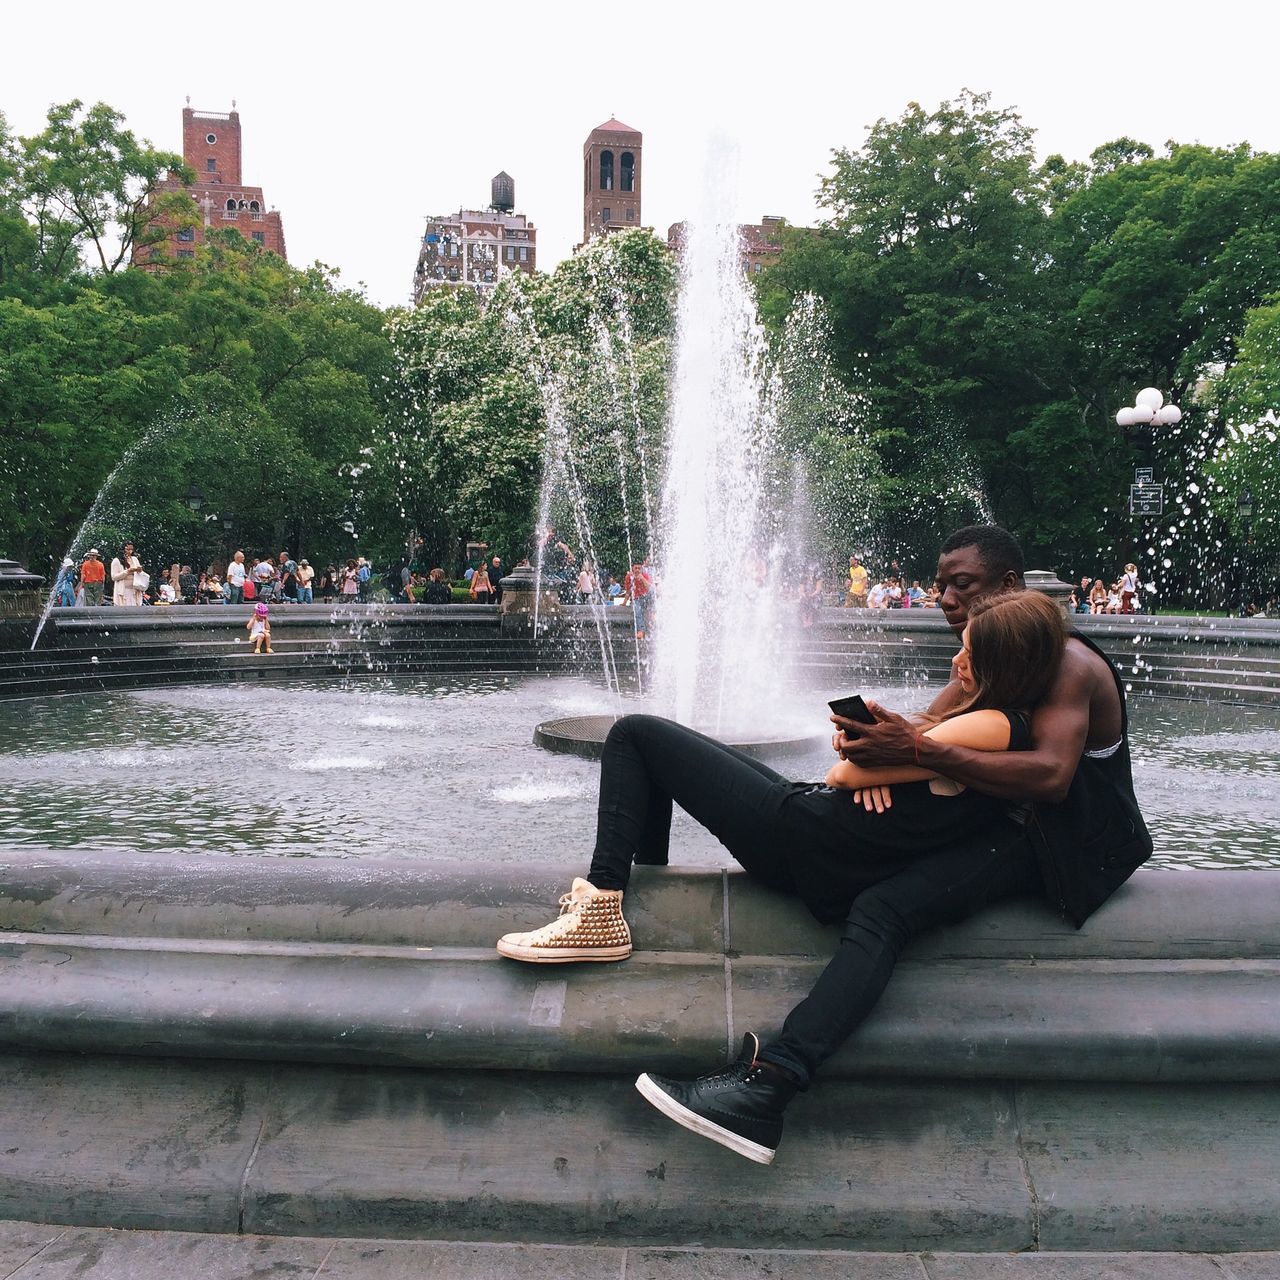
(1016, 641)
(436, 575)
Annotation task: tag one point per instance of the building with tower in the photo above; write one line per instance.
(211, 145)
(760, 243)
(476, 246)
(612, 179)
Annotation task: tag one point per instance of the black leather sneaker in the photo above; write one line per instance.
(739, 1107)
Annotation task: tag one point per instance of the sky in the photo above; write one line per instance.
(360, 121)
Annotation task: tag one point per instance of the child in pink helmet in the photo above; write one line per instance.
(259, 627)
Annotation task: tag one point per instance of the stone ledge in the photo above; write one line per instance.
(296, 1150)
(1159, 914)
(1105, 1020)
(96, 1253)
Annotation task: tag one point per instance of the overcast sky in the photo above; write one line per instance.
(362, 119)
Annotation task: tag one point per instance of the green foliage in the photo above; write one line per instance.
(89, 183)
(259, 383)
(1245, 401)
(1011, 308)
(463, 455)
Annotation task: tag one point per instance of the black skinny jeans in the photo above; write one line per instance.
(648, 763)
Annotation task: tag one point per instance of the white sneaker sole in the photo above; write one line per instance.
(652, 1093)
(560, 955)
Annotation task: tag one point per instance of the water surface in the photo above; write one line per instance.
(445, 768)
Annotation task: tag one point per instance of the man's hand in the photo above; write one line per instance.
(891, 740)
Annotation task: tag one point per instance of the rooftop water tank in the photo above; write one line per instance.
(503, 189)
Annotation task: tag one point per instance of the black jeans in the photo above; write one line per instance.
(648, 763)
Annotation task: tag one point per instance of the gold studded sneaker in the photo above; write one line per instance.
(590, 927)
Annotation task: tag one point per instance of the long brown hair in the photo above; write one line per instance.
(1016, 639)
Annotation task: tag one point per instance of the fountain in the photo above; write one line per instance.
(304, 880)
(720, 658)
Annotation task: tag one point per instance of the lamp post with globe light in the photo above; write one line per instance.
(1148, 411)
(1142, 417)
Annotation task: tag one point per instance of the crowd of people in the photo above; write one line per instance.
(247, 578)
(1122, 596)
(284, 579)
(891, 590)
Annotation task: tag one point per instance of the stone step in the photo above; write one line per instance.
(519, 1156)
(448, 1007)
(1159, 914)
(103, 1253)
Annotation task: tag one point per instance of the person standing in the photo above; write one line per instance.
(856, 594)
(480, 588)
(1128, 588)
(64, 586)
(638, 584)
(305, 576)
(93, 575)
(363, 575)
(127, 578)
(264, 574)
(810, 596)
(438, 591)
(236, 575)
(495, 578)
(586, 583)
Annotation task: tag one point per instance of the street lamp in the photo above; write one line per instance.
(1148, 410)
(194, 497)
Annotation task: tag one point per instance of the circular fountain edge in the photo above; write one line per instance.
(584, 736)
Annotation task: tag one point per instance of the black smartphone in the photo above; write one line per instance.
(853, 708)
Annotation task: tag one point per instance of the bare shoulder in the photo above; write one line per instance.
(1082, 664)
(1086, 680)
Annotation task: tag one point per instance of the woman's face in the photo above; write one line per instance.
(962, 664)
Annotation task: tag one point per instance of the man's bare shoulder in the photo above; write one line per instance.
(1081, 672)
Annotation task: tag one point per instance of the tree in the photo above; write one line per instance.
(90, 184)
(928, 263)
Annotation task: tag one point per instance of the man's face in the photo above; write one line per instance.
(962, 578)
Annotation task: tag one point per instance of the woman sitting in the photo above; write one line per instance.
(825, 843)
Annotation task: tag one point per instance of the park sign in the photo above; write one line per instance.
(1146, 499)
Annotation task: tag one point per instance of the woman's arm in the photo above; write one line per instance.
(977, 730)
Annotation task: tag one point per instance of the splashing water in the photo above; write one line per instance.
(718, 654)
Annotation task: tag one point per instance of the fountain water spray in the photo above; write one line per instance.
(719, 651)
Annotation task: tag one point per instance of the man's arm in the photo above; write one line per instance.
(1059, 728)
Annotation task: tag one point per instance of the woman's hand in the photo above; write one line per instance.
(877, 798)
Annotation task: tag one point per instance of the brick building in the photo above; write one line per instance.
(211, 145)
(612, 179)
(476, 246)
(761, 242)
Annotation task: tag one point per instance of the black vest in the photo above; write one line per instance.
(1092, 842)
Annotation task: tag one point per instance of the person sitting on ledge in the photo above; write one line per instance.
(1031, 732)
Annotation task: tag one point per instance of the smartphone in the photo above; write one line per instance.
(853, 708)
